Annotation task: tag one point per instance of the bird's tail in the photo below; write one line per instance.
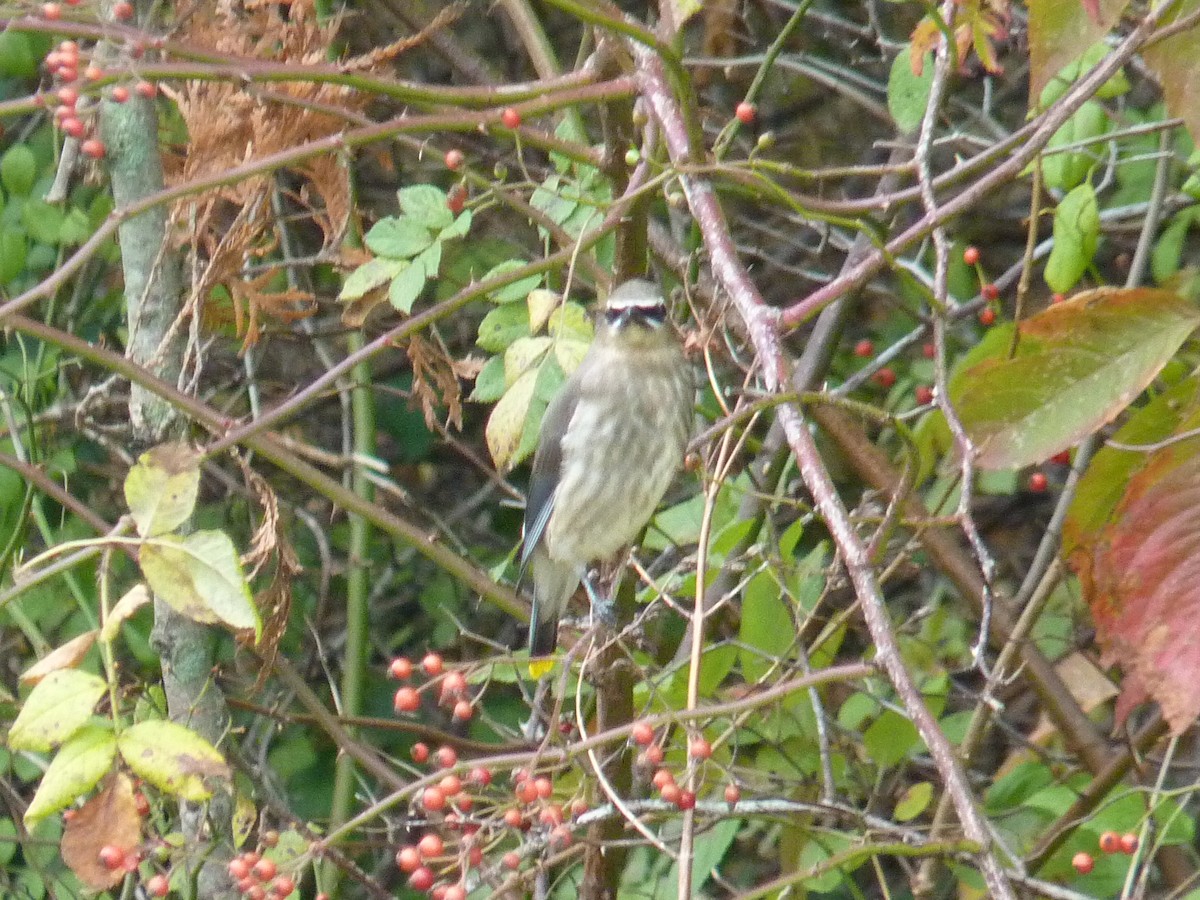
(553, 585)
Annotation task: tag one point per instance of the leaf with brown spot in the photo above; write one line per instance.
(109, 818)
(1061, 30)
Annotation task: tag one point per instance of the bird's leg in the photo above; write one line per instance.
(603, 610)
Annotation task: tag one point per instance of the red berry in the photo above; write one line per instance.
(475, 857)
(1062, 459)
(51, 11)
(238, 868)
(456, 199)
(864, 348)
(431, 845)
(578, 808)
(1083, 862)
(987, 316)
(1110, 842)
(1057, 298)
(929, 351)
(971, 256)
(451, 785)
(699, 748)
(513, 818)
(463, 710)
(419, 753)
(421, 879)
(510, 118)
(146, 89)
(455, 684)
(1038, 482)
(68, 73)
(1129, 843)
(746, 113)
(68, 96)
(480, 776)
(265, 870)
(447, 757)
(455, 892)
(73, 127)
(654, 754)
(989, 291)
(924, 394)
(454, 159)
(433, 799)
(141, 804)
(401, 668)
(112, 857)
(511, 860)
(120, 94)
(686, 801)
(885, 378)
(158, 886)
(662, 777)
(93, 73)
(732, 794)
(122, 11)
(551, 815)
(642, 734)
(407, 700)
(256, 892)
(561, 837)
(526, 792)
(408, 859)
(93, 147)
(432, 664)
(283, 886)
(670, 792)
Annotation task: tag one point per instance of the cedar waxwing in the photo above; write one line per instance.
(610, 444)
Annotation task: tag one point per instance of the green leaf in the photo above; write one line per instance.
(913, 801)
(1168, 249)
(398, 237)
(75, 770)
(1064, 170)
(907, 92)
(1176, 62)
(1059, 32)
(201, 577)
(1076, 231)
(18, 169)
(75, 229)
(172, 758)
(710, 848)
(161, 488)
(458, 228)
(43, 221)
(407, 286)
(370, 275)
(571, 321)
(14, 250)
(1078, 365)
(17, 59)
(767, 631)
(523, 355)
(518, 290)
(502, 326)
(427, 205)
(58, 706)
(890, 738)
(506, 424)
(489, 383)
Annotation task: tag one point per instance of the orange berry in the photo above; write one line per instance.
(407, 700)
(93, 147)
(122, 11)
(1129, 844)
(433, 799)
(1110, 842)
(419, 753)
(746, 113)
(1083, 862)
(431, 845)
(732, 794)
(432, 664)
(642, 734)
(401, 668)
(699, 748)
(971, 256)
(146, 89)
(447, 757)
(119, 94)
(51, 11)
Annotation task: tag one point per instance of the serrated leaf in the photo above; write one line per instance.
(1076, 231)
(161, 488)
(201, 577)
(767, 629)
(571, 321)
(407, 286)
(506, 424)
(458, 228)
(502, 326)
(370, 275)
(427, 205)
(489, 383)
(172, 758)
(519, 289)
(1078, 365)
(522, 356)
(398, 237)
(908, 92)
(542, 303)
(76, 769)
(58, 706)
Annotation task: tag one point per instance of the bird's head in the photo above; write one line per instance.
(636, 315)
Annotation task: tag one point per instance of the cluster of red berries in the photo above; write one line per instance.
(1110, 842)
(258, 878)
(116, 859)
(121, 11)
(63, 63)
(452, 687)
(988, 290)
(651, 757)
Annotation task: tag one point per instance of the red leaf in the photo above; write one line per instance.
(1143, 584)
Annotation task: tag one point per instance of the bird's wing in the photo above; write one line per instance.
(547, 466)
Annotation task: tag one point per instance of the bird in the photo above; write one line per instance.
(610, 444)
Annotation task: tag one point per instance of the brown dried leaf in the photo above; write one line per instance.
(109, 818)
(434, 381)
(135, 598)
(68, 656)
